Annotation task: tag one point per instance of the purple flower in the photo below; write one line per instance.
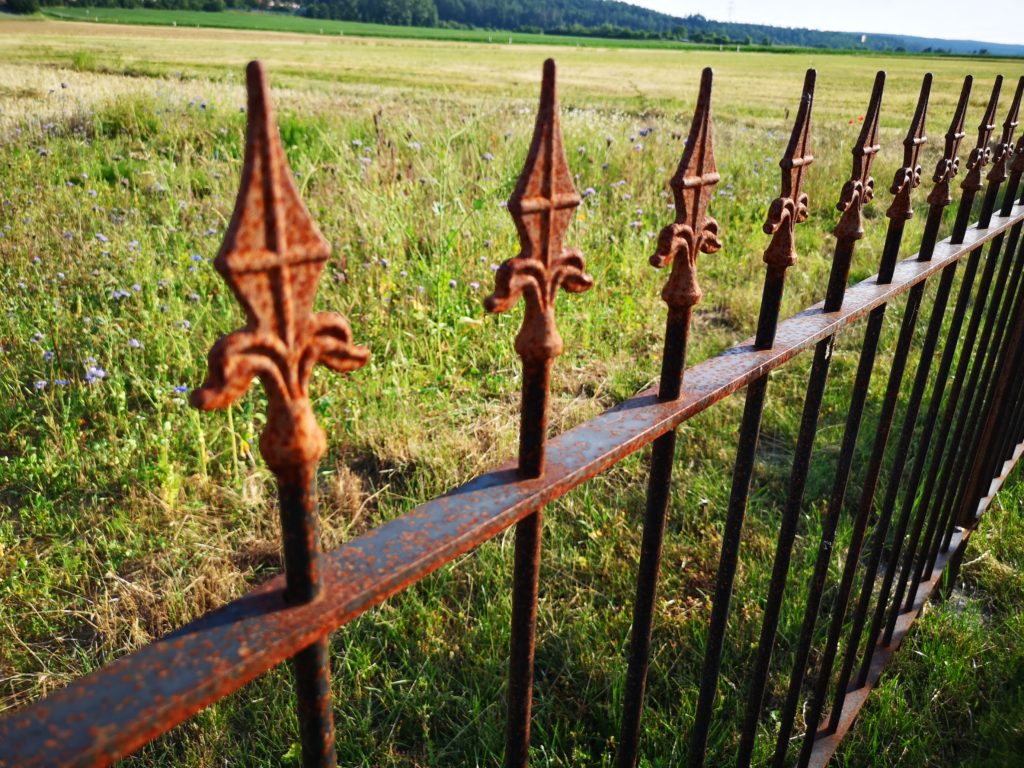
(134, 343)
(181, 389)
(136, 287)
(61, 382)
(452, 283)
(487, 157)
(40, 384)
(196, 257)
(94, 374)
(68, 235)
(48, 355)
(474, 285)
(589, 191)
(102, 238)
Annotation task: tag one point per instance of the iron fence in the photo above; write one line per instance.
(962, 424)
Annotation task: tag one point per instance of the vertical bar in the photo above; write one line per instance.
(692, 232)
(272, 257)
(938, 200)
(1013, 283)
(906, 431)
(856, 193)
(900, 211)
(541, 205)
(789, 209)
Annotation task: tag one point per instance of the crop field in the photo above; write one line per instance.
(124, 513)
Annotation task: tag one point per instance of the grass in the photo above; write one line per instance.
(124, 514)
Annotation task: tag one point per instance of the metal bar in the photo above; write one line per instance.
(929, 544)
(901, 210)
(789, 209)
(272, 257)
(113, 711)
(825, 746)
(541, 206)
(858, 191)
(692, 232)
(938, 200)
(1013, 283)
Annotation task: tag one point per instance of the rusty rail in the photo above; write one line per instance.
(272, 257)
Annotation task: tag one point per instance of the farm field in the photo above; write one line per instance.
(124, 514)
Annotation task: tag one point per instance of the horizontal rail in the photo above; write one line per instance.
(140, 696)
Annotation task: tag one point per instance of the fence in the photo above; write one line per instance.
(962, 424)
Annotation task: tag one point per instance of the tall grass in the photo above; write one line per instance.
(125, 514)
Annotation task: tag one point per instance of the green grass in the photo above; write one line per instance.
(124, 514)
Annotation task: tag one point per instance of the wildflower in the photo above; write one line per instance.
(403, 273)
(40, 384)
(181, 389)
(589, 191)
(36, 337)
(102, 238)
(136, 287)
(193, 297)
(636, 224)
(134, 343)
(356, 143)
(184, 325)
(582, 151)
(94, 374)
(415, 146)
(452, 283)
(474, 285)
(494, 267)
(487, 157)
(68, 235)
(196, 257)
(61, 382)
(638, 147)
(48, 355)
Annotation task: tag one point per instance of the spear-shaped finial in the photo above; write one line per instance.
(908, 177)
(693, 230)
(542, 206)
(1004, 147)
(272, 258)
(857, 192)
(860, 189)
(948, 165)
(982, 153)
(786, 211)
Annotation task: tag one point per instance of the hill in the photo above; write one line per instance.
(609, 19)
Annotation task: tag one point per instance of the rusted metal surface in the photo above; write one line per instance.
(906, 180)
(542, 206)
(272, 258)
(789, 209)
(692, 232)
(112, 711)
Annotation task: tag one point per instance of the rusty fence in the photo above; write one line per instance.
(954, 439)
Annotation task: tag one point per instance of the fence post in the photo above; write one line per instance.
(542, 206)
(272, 258)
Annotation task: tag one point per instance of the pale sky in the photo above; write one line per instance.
(992, 21)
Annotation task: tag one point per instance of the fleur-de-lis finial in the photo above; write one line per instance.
(272, 258)
(908, 178)
(948, 165)
(981, 153)
(542, 206)
(693, 231)
(860, 189)
(1004, 147)
(791, 206)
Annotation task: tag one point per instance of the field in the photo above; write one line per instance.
(123, 513)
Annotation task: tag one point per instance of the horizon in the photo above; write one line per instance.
(1001, 23)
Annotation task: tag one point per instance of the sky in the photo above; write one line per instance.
(993, 21)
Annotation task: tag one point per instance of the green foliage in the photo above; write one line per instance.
(23, 6)
(124, 514)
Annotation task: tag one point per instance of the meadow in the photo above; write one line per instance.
(123, 513)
